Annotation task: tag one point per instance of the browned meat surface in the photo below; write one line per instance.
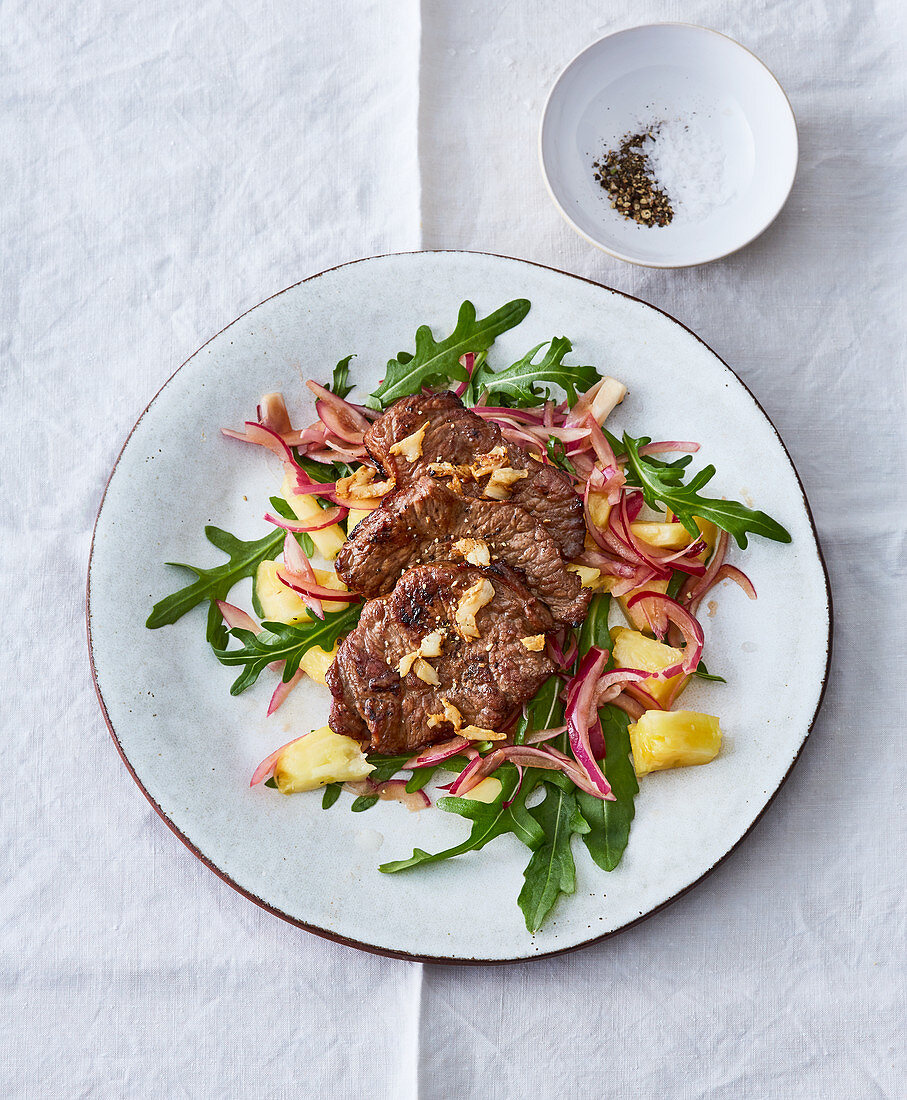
(486, 678)
(429, 522)
(458, 436)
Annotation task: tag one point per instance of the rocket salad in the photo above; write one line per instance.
(654, 546)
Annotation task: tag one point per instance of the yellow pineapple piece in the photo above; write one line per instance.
(486, 791)
(665, 536)
(632, 649)
(280, 604)
(673, 739)
(589, 577)
(634, 615)
(317, 759)
(329, 539)
(707, 530)
(316, 662)
(356, 516)
(599, 509)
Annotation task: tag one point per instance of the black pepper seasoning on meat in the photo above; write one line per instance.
(626, 175)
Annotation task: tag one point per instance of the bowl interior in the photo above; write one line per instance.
(736, 140)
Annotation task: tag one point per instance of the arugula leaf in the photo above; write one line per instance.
(610, 822)
(551, 870)
(339, 383)
(215, 584)
(661, 482)
(703, 674)
(543, 712)
(677, 581)
(436, 362)
(283, 642)
(282, 508)
(331, 794)
(594, 631)
(518, 383)
(490, 820)
(557, 452)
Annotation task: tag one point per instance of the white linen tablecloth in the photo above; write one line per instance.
(166, 166)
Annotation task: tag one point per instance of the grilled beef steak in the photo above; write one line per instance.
(483, 679)
(429, 522)
(457, 436)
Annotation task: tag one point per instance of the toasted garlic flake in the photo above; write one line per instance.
(475, 551)
(451, 715)
(535, 643)
(500, 484)
(493, 460)
(477, 733)
(406, 662)
(471, 603)
(425, 672)
(432, 644)
(410, 447)
(361, 490)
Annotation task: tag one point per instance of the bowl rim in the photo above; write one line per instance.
(616, 253)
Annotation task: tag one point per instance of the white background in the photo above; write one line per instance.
(166, 166)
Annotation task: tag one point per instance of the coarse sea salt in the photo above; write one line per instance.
(689, 165)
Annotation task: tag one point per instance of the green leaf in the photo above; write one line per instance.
(215, 584)
(331, 794)
(272, 783)
(660, 483)
(436, 363)
(339, 384)
(594, 631)
(543, 712)
(363, 802)
(282, 508)
(284, 642)
(551, 871)
(703, 673)
(609, 822)
(489, 820)
(518, 384)
(557, 452)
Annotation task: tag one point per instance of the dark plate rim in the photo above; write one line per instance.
(326, 933)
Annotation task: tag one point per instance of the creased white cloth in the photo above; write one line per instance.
(167, 166)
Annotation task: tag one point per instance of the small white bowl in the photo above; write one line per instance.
(732, 167)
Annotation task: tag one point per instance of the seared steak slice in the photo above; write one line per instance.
(485, 678)
(426, 522)
(456, 435)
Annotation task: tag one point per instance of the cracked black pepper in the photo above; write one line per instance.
(626, 175)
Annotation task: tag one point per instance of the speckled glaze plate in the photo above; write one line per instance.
(192, 747)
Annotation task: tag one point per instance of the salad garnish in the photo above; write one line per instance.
(567, 763)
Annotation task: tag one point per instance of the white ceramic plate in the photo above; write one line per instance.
(738, 150)
(192, 747)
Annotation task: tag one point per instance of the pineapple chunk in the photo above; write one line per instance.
(635, 617)
(667, 536)
(486, 791)
(707, 530)
(280, 604)
(589, 577)
(316, 662)
(673, 739)
(317, 759)
(356, 516)
(329, 539)
(599, 509)
(631, 649)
